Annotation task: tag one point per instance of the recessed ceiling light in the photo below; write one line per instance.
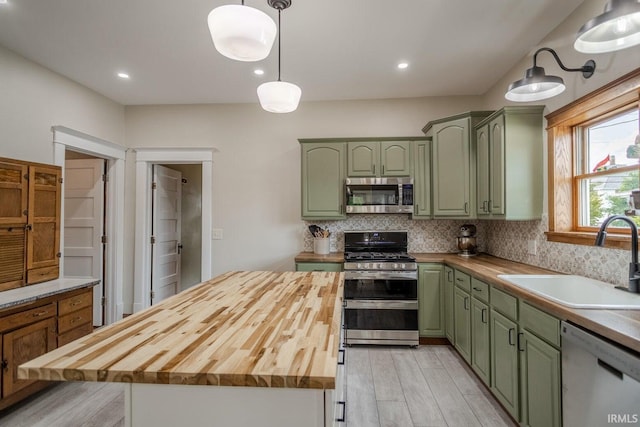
(258, 72)
(121, 75)
(403, 65)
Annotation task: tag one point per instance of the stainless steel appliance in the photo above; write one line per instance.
(600, 380)
(380, 289)
(467, 240)
(379, 195)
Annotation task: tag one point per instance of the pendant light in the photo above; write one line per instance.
(279, 96)
(617, 28)
(537, 85)
(241, 32)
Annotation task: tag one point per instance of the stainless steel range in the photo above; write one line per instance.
(381, 289)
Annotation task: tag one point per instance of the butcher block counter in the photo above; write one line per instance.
(261, 338)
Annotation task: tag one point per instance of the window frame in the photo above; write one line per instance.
(562, 124)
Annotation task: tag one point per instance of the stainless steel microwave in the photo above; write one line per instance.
(379, 195)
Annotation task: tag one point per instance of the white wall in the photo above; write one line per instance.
(34, 99)
(256, 170)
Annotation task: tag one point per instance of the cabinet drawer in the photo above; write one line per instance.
(74, 334)
(74, 320)
(75, 302)
(43, 274)
(27, 317)
(540, 323)
(463, 280)
(504, 303)
(479, 290)
(318, 266)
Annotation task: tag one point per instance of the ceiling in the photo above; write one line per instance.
(332, 49)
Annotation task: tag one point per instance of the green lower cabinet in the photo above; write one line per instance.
(540, 388)
(462, 323)
(431, 320)
(318, 266)
(449, 285)
(504, 362)
(480, 344)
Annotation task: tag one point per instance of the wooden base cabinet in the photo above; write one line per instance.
(449, 285)
(34, 329)
(504, 363)
(431, 321)
(462, 322)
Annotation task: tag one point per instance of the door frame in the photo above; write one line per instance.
(145, 158)
(65, 138)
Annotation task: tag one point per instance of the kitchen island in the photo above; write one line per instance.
(244, 348)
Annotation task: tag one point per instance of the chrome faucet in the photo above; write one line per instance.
(634, 267)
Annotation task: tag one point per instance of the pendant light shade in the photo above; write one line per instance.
(537, 85)
(279, 97)
(615, 29)
(241, 32)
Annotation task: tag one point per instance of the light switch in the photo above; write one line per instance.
(216, 234)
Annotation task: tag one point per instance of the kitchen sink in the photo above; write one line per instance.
(575, 291)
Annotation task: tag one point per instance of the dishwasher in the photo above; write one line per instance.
(600, 380)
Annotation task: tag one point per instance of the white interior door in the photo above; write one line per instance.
(84, 225)
(166, 222)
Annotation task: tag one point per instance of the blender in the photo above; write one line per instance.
(467, 240)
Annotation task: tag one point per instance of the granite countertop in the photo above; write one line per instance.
(31, 293)
(622, 326)
(260, 329)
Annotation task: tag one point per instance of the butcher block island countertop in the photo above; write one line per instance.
(257, 329)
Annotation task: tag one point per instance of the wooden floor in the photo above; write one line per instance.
(386, 386)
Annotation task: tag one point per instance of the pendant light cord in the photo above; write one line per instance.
(279, 48)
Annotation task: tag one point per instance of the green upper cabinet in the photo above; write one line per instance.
(323, 175)
(422, 180)
(430, 300)
(509, 164)
(378, 158)
(453, 164)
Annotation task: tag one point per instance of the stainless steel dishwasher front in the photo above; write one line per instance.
(600, 380)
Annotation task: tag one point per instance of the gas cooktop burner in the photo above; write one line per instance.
(378, 256)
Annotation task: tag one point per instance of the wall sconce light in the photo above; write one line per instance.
(536, 85)
(279, 96)
(617, 28)
(241, 32)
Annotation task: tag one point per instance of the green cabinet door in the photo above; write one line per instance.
(318, 266)
(451, 156)
(323, 175)
(422, 180)
(539, 382)
(482, 170)
(480, 344)
(496, 166)
(449, 285)
(363, 158)
(504, 362)
(430, 300)
(395, 158)
(462, 322)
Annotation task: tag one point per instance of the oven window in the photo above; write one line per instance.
(392, 289)
(372, 195)
(381, 319)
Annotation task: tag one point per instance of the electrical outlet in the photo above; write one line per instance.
(216, 234)
(531, 247)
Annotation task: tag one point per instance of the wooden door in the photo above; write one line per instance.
(497, 166)
(22, 345)
(462, 323)
(166, 223)
(451, 169)
(13, 193)
(449, 286)
(43, 237)
(395, 158)
(480, 361)
(363, 158)
(323, 175)
(422, 180)
(430, 300)
(482, 171)
(504, 362)
(83, 225)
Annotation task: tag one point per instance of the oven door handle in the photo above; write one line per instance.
(378, 275)
(381, 304)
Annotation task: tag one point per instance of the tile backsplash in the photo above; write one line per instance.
(504, 239)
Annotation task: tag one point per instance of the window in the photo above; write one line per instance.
(606, 168)
(594, 164)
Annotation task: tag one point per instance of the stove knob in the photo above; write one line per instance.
(395, 265)
(359, 266)
(366, 265)
(380, 266)
(403, 266)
